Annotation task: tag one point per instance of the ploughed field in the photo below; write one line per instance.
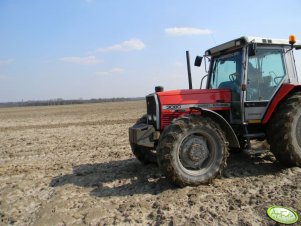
(72, 165)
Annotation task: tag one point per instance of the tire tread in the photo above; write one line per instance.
(278, 133)
(166, 146)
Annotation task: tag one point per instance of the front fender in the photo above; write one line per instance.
(225, 126)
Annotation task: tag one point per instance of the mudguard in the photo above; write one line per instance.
(225, 126)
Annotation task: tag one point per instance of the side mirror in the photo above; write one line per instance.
(252, 49)
(198, 61)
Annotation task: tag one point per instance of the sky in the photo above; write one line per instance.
(87, 49)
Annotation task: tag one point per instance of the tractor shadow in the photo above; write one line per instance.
(116, 178)
(129, 177)
(254, 162)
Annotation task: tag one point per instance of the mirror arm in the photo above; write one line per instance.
(202, 81)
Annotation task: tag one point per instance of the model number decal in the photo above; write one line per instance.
(187, 106)
(172, 107)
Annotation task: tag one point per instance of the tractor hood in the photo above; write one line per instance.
(215, 99)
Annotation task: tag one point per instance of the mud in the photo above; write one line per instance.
(72, 165)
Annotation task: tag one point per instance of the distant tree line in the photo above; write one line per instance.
(60, 101)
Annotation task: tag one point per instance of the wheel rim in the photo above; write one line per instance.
(196, 153)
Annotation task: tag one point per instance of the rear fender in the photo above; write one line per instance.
(225, 126)
(284, 91)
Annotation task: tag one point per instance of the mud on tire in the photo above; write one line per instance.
(284, 131)
(143, 154)
(192, 151)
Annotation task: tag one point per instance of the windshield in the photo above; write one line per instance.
(226, 72)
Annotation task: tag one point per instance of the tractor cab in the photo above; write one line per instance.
(254, 70)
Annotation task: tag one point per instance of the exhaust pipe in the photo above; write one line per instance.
(188, 70)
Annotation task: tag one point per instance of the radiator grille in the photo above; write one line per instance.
(151, 110)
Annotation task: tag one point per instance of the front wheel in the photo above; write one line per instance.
(192, 151)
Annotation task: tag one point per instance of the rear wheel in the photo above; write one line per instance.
(143, 154)
(192, 151)
(284, 131)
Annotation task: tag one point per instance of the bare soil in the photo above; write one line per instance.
(72, 165)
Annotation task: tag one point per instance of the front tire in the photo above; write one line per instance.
(192, 151)
(284, 131)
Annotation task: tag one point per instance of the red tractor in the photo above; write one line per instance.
(252, 92)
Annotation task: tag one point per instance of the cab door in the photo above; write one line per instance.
(265, 72)
(226, 73)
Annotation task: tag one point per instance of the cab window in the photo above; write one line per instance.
(265, 72)
(226, 72)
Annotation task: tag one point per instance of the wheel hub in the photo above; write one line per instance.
(193, 152)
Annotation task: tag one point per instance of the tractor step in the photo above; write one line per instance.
(254, 135)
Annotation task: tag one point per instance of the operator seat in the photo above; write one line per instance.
(233, 86)
(228, 85)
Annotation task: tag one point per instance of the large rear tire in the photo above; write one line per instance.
(284, 131)
(144, 154)
(192, 151)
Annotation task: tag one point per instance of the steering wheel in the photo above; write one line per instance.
(276, 77)
(231, 76)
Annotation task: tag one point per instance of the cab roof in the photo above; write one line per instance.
(244, 40)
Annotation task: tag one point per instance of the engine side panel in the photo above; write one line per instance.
(175, 103)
